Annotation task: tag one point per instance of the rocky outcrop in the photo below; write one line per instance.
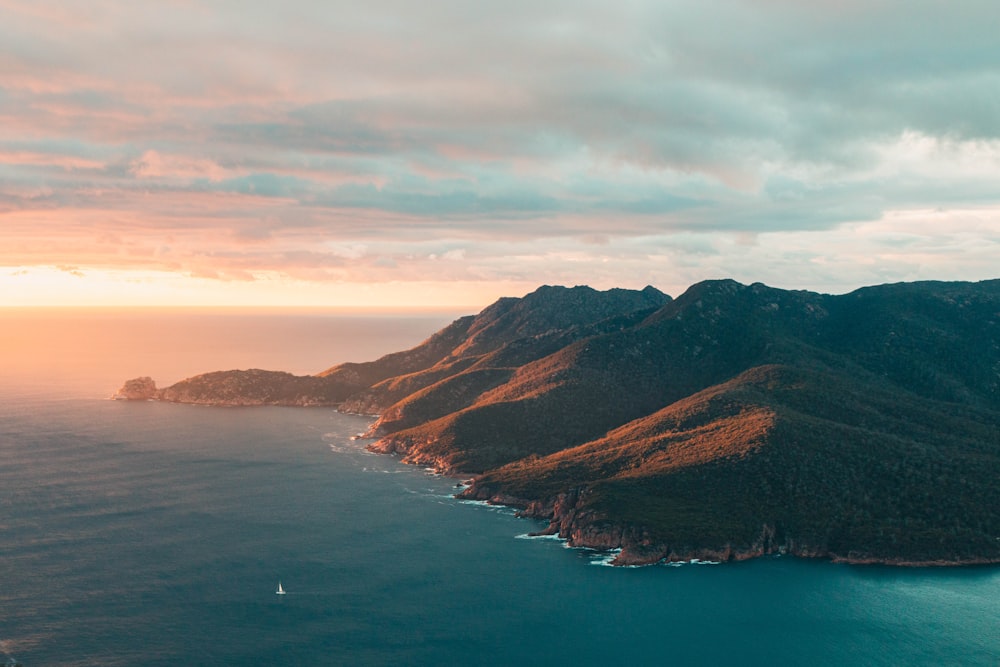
(411, 453)
(137, 389)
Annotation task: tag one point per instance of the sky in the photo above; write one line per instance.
(446, 152)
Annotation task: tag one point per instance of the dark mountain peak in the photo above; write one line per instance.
(729, 303)
(706, 294)
(544, 297)
(647, 297)
(543, 290)
(724, 284)
(733, 292)
(552, 308)
(654, 293)
(720, 286)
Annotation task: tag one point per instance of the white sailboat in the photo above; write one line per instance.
(280, 591)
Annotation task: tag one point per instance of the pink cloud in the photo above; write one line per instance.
(70, 269)
(153, 164)
(67, 162)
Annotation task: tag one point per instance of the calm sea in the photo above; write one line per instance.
(155, 534)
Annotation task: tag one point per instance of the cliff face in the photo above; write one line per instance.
(734, 421)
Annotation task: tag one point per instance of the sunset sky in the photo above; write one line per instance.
(445, 153)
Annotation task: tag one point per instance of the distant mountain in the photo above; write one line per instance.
(731, 422)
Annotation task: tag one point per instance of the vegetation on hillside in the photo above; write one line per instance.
(732, 421)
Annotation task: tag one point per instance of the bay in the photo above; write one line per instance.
(155, 534)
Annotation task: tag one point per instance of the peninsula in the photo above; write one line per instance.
(731, 422)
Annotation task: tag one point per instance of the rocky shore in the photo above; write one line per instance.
(584, 528)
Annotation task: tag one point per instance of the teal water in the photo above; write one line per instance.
(155, 534)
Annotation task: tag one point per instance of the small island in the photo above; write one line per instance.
(731, 422)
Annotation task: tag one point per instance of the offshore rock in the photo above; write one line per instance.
(137, 389)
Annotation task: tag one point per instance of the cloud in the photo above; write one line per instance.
(154, 165)
(71, 270)
(522, 141)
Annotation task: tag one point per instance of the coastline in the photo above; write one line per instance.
(585, 529)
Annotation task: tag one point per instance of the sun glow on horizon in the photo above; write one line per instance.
(71, 286)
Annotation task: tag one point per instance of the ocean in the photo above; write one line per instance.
(156, 534)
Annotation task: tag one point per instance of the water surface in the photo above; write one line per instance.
(155, 534)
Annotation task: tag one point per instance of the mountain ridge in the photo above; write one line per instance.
(731, 422)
